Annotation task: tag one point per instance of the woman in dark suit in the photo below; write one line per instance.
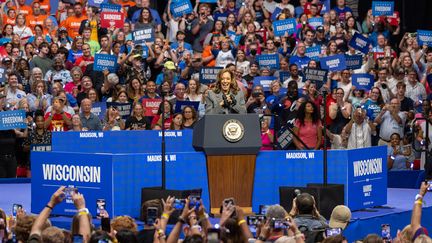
(225, 97)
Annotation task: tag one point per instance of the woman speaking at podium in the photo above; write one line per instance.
(226, 97)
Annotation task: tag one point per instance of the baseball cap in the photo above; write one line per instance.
(169, 65)
(6, 59)
(340, 217)
(62, 29)
(320, 29)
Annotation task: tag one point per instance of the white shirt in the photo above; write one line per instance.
(23, 32)
(14, 97)
(360, 136)
(270, 6)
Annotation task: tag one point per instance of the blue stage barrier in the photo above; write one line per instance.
(411, 178)
(364, 186)
(116, 178)
(122, 141)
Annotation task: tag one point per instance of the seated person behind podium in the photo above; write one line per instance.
(226, 97)
(397, 155)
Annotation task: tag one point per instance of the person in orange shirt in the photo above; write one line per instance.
(45, 6)
(37, 18)
(23, 8)
(73, 23)
(10, 17)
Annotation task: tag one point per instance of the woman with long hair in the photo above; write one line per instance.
(308, 126)
(226, 96)
(113, 120)
(190, 116)
(137, 121)
(76, 123)
(76, 49)
(177, 122)
(167, 113)
(135, 90)
(231, 23)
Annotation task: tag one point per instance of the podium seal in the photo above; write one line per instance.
(233, 130)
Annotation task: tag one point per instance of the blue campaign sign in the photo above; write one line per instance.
(145, 52)
(90, 174)
(326, 6)
(106, 7)
(180, 8)
(315, 22)
(283, 75)
(124, 109)
(12, 119)
(313, 52)
(99, 109)
(318, 76)
(2, 76)
(280, 27)
(105, 61)
(268, 60)
(382, 8)
(131, 141)
(275, 14)
(424, 37)
(367, 177)
(141, 36)
(264, 81)
(354, 61)
(96, 3)
(333, 63)
(180, 104)
(359, 42)
(208, 75)
(362, 80)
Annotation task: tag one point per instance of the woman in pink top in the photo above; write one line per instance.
(267, 134)
(308, 126)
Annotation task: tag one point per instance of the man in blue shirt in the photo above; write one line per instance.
(341, 9)
(300, 58)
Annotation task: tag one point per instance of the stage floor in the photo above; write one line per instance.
(397, 212)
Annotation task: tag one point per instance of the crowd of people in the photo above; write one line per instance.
(49, 71)
(303, 223)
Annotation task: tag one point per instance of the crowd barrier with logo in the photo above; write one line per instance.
(115, 166)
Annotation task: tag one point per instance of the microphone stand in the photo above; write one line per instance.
(163, 148)
(324, 92)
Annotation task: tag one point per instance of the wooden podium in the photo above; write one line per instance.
(230, 143)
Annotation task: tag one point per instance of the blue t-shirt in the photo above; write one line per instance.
(372, 109)
(73, 55)
(300, 61)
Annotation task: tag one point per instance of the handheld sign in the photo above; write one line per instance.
(313, 52)
(124, 109)
(99, 109)
(151, 106)
(208, 75)
(180, 104)
(333, 63)
(354, 61)
(326, 6)
(283, 76)
(362, 81)
(105, 61)
(106, 7)
(96, 3)
(315, 22)
(424, 37)
(109, 19)
(282, 26)
(268, 60)
(180, 8)
(318, 76)
(265, 81)
(381, 8)
(141, 36)
(12, 119)
(359, 42)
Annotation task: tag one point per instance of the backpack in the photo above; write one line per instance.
(312, 236)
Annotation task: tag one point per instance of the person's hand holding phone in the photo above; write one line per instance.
(78, 200)
(57, 197)
(186, 211)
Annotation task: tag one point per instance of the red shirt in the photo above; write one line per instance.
(81, 59)
(57, 122)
